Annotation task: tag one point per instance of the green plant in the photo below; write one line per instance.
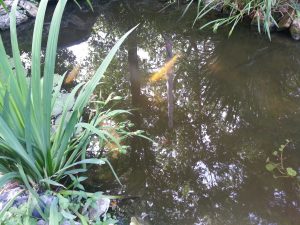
(3, 4)
(278, 168)
(65, 206)
(29, 151)
(235, 11)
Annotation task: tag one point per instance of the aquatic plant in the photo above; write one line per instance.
(277, 166)
(260, 11)
(30, 151)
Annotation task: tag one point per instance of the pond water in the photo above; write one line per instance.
(236, 100)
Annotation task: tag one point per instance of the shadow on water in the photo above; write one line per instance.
(226, 106)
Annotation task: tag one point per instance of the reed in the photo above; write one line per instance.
(234, 11)
(30, 151)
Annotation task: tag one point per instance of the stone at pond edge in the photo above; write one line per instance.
(100, 209)
(286, 21)
(30, 8)
(25, 10)
(76, 21)
(4, 20)
(42, 222)
(47, 200)
(258, 21)
(295, 29)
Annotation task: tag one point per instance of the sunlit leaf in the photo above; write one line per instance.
(291, 172)
(270, 166)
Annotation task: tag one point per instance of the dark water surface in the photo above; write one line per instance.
(235, 101)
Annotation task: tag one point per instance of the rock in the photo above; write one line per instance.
(25, 10)
(295, 29)
(4, 20)
(2, 12)
(30, 8)
(8, 3)
(61, 102)
(286, 21)
(9, 194)
(101, 208)
(138, 221)
(77, 22)
(21, 18)
(41, 222)
(47, 200)
(258, 21)
(134, 221)
(66, 222)
(20, 200)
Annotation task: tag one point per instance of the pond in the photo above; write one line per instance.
(236, 100)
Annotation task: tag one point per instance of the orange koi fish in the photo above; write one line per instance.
(162, 73)
(72, 75)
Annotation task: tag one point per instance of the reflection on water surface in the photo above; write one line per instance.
(229, 104)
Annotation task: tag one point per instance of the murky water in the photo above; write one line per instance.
(235, 101)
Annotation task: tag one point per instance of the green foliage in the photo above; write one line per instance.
(29, 149)
(3, 4)
(291, 172)
(68, 206)
(278, 168)
(235, 11)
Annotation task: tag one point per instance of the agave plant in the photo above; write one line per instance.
(29, 151)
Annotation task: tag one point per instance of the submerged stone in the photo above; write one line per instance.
(100, 208)
(295, 29)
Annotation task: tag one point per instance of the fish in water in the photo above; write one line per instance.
(163, 72)
(72, 75)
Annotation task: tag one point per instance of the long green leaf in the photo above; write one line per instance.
(4, 179)
(2, 3)
(15, 145)
(20, 70)
(36, 76)
(49, 68)
(87, 91)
